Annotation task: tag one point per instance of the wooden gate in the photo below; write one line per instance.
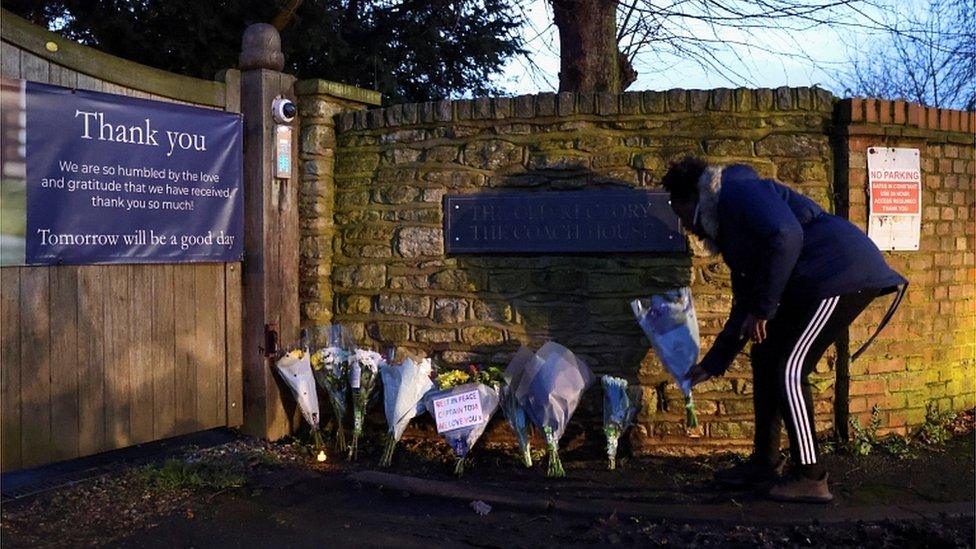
(99, 357)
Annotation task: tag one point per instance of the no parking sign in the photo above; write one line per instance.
(895, 195)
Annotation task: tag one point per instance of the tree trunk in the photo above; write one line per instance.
(286, 14)
(589, 58)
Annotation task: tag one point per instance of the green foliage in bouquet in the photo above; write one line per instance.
(331, 369)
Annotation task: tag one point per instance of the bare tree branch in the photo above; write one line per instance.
(929, 58)
(712, 33)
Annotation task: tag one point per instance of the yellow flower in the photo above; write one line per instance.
(452, 378)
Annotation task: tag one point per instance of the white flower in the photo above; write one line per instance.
(368, 359)
(425, 367)
(329, 358)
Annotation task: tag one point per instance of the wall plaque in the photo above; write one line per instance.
(592, 221)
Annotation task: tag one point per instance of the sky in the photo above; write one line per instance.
(825, 49)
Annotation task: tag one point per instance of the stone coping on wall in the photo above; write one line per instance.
(338, 90)
(863, 116)
(562, 104)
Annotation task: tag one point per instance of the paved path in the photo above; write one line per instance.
(755, 513)
(371, 509)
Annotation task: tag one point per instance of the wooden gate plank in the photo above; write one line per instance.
(233, 413)
(163, 361)
(209, 335)
(91, 359)
(219, 367)
(9, 60)
(140, 342)
(63, 76)
(10, 369)
(64, 361)
(91, 83)
(232, 91)
(117, 359)
(35, 360)
(185, 331)
(34, 68)
(235, 364)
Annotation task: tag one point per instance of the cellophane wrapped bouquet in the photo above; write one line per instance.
(330, 365)
(296, 370)
(461, 405)
(550, 387)
(512, 407)
(404, 387)
(364, 370)
(620, 405)
(671, 325)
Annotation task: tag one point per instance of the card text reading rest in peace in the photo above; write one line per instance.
(458, 411)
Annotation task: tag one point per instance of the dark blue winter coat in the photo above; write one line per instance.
(782, 247)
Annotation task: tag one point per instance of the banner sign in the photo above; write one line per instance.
(895, 196)
(594, 221)
(115, 179)
(457, 411)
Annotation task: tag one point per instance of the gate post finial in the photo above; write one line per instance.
(261, 48)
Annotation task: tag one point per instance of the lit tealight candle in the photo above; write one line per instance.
(321, 457)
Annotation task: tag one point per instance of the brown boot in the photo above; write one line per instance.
(751, 472)
(799, 489)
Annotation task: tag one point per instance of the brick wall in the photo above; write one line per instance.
(928, 352)
(393, 283)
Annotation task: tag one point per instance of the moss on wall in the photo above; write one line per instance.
(392, 282)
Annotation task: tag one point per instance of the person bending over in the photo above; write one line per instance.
(800, 276)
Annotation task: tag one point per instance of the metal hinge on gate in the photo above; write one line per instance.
(270, 348)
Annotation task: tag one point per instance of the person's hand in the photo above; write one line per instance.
(754, 329)
(697, 374)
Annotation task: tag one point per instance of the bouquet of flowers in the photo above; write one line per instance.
(461, 410)
(517, 420)
(550, 387)
(364, 367)
(670, 323)
(620, 405)
(295, 369)
(404, 387)
(330, 367)
(330, 364)
(512, 407)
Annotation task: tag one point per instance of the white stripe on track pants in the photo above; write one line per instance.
(796, 340)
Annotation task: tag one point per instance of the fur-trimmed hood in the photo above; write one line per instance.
(709, 187)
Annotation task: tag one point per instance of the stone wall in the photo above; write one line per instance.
(373, 253)
(319, 101)
(393, 283)
(928, 352)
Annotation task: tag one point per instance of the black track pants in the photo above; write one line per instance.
(796, 339)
